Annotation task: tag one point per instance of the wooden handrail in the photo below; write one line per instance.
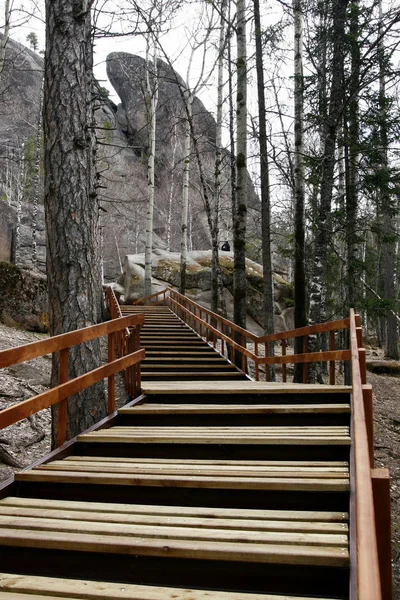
(13, 356)
(60, 393)
(148, 298)
(368, 578)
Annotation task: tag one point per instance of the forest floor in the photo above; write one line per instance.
(25, 442)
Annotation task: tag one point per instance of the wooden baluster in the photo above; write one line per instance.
(305, 365)
(139, 365)
(359, 336)
(381, 491)
(62, 406)
(284, 366)
(243, 343)
(266, 364)
(111, 379)
(363, 365)
(369, 420)
(332, 362)
(256, 369)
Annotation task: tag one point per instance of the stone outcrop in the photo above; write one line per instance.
(23, 299)
(130, 285)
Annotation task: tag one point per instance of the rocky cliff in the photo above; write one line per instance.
(122, 138)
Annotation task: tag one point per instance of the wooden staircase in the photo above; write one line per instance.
(174, 352)
(208, 486)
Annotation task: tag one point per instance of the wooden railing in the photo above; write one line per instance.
(230, 338)
(126, 341)
(157, 298)
(129, 361)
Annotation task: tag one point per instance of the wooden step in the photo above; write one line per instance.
(248, 387)
(258, 409)
(150, 367)
(327, 436)
(88, 530)
(19, 587)
(192, 375)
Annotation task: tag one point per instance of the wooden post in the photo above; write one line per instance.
(111, 379)
(332, 362)
(363, 365)
(62, 407)
(305, 365)
(359, 336)
(256, 369)
(381, 491)
(284, 370)
(369, 420)
(266, 364)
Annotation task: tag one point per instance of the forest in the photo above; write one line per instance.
(295, 155)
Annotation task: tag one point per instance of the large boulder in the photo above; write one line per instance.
(23, 300)
(165, 270)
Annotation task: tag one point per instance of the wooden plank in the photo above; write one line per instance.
(105, 529)
(299, 465)
(381, 490)
(109, 467)
(24, 409)
(204, 409)
(28, 586)
(175, 521)
(260, 387)
(13, 356)
(247, 483)
(205, 550)
(187, 511)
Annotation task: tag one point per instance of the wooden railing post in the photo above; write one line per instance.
(305, 365)
(284, 370)
(332, 362)
(369, 420)
(381, 492)
(111, 379)
(62, 407)
(363, 365)
(266, 349)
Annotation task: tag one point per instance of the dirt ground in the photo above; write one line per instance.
(23, 443)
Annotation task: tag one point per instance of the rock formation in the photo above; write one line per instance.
(130, 285)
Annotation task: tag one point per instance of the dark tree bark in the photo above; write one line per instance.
(335, 110)
(240, 213)
(300, 298)
(268, 284)
(73, 266)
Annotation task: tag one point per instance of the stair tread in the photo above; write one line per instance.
(15, 587)
(182, 409)
(259, 387)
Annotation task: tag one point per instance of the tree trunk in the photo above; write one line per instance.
(185, 191)
(268, 283)
(300, 296)
(353, 143)
(151, 104)
(6, 35)
(388, 209)
(239, 226)
(73, 270)
(171, 187)
(36, 181)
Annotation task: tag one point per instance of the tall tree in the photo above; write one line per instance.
(268, 283)
(240, 211)
(151, 100)
(300, 295)
(73, 266)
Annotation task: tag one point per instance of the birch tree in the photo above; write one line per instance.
(151, 100)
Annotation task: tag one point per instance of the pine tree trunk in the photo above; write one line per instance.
(268, 283)
(36, 181)
(73, 269)
(300, 299)
(318, 285)
(353, 143)
(239, 227)
(6, 35)
(388, 208)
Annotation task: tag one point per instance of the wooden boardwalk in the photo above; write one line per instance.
(209, 486)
